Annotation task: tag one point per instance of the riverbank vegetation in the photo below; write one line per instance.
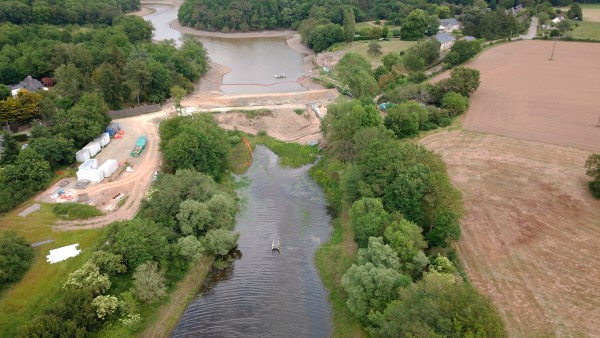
(394, 200)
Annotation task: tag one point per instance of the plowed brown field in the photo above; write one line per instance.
(526, 96)
(531, 233)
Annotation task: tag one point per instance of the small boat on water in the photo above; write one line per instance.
(276, 246)
(279, 76)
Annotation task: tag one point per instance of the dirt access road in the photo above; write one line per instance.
(134, 184)
(531, 232)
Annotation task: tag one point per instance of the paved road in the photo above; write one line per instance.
(532, 29)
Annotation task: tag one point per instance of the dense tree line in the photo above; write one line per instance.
(64, 12)
(117, 61)
(185, 216)
(404, 212)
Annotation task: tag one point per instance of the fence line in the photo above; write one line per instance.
(116, 114)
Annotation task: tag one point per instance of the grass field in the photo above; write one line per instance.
(361, 48)
(40, 287)
(369, 24)
(586, 30)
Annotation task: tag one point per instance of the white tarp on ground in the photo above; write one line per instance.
(60, 254)
(82, 155)
(90, 164)
(94, 148)
(103, 139)
(92, 175)
(109, 167)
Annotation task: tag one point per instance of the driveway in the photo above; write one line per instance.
(532, 29)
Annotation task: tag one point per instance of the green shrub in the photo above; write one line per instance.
(72, 211)
(299, 111)
(595, 188)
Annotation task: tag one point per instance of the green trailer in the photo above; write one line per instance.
(140, 144)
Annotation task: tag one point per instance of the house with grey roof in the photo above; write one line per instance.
(446, 40)
(449, 25)
(29, 83)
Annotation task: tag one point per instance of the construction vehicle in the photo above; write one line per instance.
(140, 144)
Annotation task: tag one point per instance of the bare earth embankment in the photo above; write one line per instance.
(526, 96)
(531, 232)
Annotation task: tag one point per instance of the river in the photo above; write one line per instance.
(265, 293)
(253, 61)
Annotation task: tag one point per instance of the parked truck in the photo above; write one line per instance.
(140, 144)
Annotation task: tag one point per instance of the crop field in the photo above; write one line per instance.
(525, 95)
(531, 231)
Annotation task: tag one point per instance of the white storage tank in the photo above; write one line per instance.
(93, 175)
(93, 147)
(103, 139)
(109, 167)
(89, 164)
(82, 155)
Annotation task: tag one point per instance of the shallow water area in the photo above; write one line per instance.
(266, 293)
(253, 61)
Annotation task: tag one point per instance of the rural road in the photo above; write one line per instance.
(532, 29)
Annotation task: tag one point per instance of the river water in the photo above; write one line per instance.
(253, 61)
(265, 293)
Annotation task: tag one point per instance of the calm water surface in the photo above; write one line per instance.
(252, 61)
(263, 293)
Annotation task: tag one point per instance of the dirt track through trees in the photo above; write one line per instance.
(531, 233)
(526, 96)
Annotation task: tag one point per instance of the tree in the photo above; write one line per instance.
(138, 241)
(106, 79)
(22, 107)
(29, 170)
(223, 208)
(418, 24)
(349, 25)
(443, 12)
(370, 288)
(405, 238)
(564, 26)
(455, 103)
(592, 166)
(220, 241)
(194, 217)
(374, 49)
(190, 247)
(4, 92)
(464, 81)
(16, 256)
(10, 149)
(342, 122)
(438, 306)
(108, 262)
(323, 36)
(149, 282)
(378, 254)
(55, 150)
(177, 93)
(70, 82)
(575, 12)
(403, 119)
(105, 306)
(462, 51)
(85, 121)
(543, 17)
(368, 218)
(88, 277)
(421, 55)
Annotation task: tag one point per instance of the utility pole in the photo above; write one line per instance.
(554, 46)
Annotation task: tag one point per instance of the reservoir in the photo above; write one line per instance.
(266, 293)
(253, 61)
